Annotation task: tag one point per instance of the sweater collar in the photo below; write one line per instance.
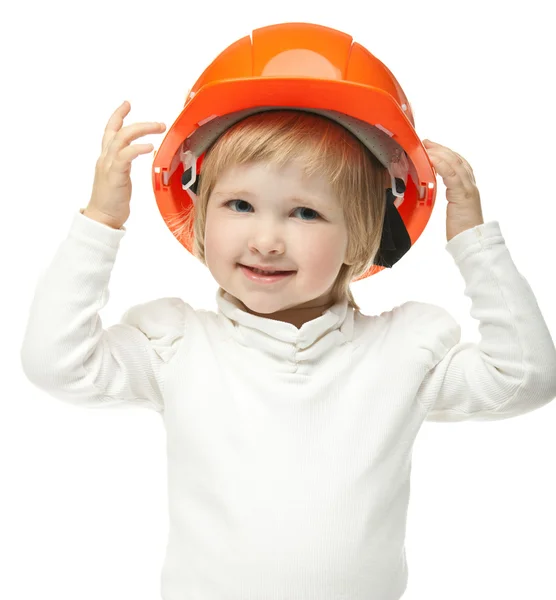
(283, 340)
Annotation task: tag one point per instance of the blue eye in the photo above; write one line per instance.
(304, 208)
(241, 201)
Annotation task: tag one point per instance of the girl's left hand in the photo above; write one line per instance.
(464, 201)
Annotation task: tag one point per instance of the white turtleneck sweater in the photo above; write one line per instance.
(289, 450)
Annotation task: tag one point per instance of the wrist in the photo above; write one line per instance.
(100, 218)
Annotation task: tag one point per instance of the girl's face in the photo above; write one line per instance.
(261, 214)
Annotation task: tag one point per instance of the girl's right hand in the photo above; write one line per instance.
(111, 193)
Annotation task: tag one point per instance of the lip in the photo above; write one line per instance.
(264, 278)
(264, 268)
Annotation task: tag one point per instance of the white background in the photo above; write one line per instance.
(83, 511)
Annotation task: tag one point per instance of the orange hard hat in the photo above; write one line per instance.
(312, 68)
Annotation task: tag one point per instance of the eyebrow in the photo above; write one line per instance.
(232, 193)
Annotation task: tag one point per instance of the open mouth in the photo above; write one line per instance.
(264, 277)
(266, 273)
(258, 272)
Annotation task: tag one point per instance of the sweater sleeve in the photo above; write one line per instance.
(67, 353)
(512, 369)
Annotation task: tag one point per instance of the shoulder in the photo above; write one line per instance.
(418, 313)
(412, 327)
(162, 321)
(428, 325)
(157, 315)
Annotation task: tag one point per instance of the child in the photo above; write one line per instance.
(290, 415)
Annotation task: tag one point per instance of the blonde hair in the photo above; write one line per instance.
(356, 177)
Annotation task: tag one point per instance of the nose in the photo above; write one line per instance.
(267, 238)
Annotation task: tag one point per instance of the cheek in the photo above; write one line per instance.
(218, 239)
(323, 252)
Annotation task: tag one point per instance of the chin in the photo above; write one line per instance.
(264, 305)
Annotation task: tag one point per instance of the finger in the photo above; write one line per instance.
(130, 133)
(469, 170)
(464, 161)
(122, 162)
(433, 146)
(115, 123)
(454, 173)
(452, 158)
(465, 165)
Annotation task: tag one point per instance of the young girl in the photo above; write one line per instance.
(290, 415)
